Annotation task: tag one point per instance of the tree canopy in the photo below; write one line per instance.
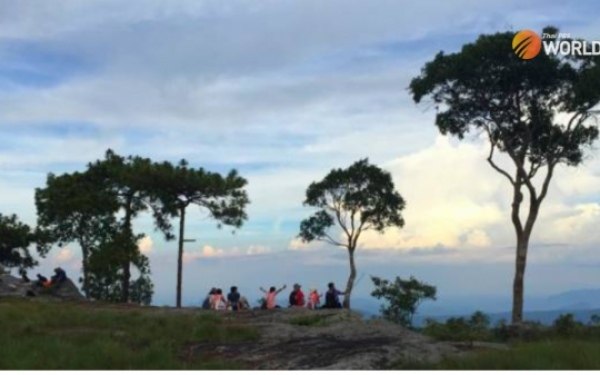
(76, 208)
(537, 112)
(130, 181)
(180, 186)
(403, 297)
(16, 238)
(356, 199)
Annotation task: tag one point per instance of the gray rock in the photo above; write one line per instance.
(11, 286)
(324, 339)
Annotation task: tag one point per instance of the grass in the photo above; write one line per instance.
(560, 354)
(46, 335)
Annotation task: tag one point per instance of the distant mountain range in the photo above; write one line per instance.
(582, 303)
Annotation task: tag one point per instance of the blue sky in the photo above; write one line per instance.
(284, 91)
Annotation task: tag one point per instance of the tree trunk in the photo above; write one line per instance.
(127, 258)
(518, 283)
(84, 285)
(351, 279)
(180, 254)
(523, 236)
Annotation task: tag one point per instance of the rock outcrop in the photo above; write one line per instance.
(324, 339)
(11, 286)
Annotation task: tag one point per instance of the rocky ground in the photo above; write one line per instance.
(11, 286)
(334, 339)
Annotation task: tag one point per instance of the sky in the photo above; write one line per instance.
(284, 91)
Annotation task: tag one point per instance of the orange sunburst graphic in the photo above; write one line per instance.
(527, 44)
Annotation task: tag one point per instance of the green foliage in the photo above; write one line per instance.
(131, 182)
(65, 336)
(106, 274)
(178, 187)
(538, 112)
(595, 320)
(486, 86)
(566, 325)
(541, 355)
(474, 328)
(357, 198)
(402, 296)
(477, 328)
(77, 208)
(479, 321)
(15, 240)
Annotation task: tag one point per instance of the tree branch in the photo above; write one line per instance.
(495, 166)
(327, 238)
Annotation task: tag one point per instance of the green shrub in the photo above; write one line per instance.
(566, 325)
(475, 328)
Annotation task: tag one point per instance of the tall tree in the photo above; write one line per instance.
(359, 198)
(534, 111)
(179, 187)
(130, 181)
(15, 241)
(76, 208)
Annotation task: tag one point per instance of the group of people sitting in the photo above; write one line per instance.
(234, 301)
(216, 301)
(59, 276)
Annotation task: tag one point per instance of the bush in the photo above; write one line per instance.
(474, 328)
(566, 325)
(403, 297)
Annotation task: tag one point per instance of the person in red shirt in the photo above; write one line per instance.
(299, 296)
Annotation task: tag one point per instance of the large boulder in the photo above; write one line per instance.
(11, 286)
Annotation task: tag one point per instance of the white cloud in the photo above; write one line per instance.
(64, 255)
(574, 225)
(452, 198)
(478, 238)
(208, 251)
(296, 244)
(145, 245)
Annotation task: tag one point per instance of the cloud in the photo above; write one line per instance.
(296, 244)
(578, 224)
(64, 255)
(208, 251)
(446, 206)
(145, 245)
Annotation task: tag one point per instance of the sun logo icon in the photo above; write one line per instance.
(527, 44)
